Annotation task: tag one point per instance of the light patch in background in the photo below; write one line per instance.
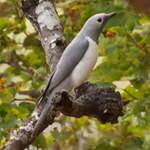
(60, 11)
(19, 38)
(3, 67)
(99, 61)
(121, 85)
(2, 1)
(29, 27)
(16, 79)
(56, 126)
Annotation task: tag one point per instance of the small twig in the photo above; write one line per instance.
(17, 62)
(23, 99)
(33, 93)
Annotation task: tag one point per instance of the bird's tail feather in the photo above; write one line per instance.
(43, 115)
(46, 90)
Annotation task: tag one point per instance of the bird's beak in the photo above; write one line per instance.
(110, 15)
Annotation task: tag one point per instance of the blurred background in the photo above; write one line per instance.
(124, 64)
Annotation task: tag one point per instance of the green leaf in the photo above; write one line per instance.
(40, 142)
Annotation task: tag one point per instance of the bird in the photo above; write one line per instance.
(76, 62)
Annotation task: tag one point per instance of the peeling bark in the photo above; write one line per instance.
(44, 18)
(103, 103)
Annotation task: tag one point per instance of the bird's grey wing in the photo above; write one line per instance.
(70, 58)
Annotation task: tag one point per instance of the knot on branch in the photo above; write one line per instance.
(28, 4)
(103, 103)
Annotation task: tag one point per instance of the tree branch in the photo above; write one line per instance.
(17, 62)
(32, 93)
(103, 103)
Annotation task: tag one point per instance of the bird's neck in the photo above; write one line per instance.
(93, 34)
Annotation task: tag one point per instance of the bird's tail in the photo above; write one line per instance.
(45, 92)
(43, 115)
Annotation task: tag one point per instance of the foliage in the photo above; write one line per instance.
(124, 52)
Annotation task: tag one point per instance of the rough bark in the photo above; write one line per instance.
(103, 103)
(44, 18)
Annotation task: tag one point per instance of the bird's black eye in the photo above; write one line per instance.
(99, 20)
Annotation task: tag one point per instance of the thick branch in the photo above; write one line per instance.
(102, 103)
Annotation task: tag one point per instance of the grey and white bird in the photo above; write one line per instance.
(77, 61)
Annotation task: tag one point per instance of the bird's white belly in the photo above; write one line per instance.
(86, 65)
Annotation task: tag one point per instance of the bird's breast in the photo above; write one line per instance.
(86, 64)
